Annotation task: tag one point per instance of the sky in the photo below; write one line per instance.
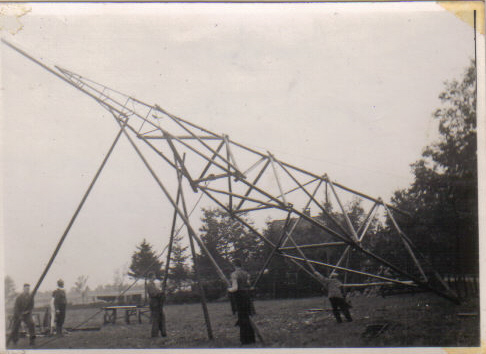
(345, 89)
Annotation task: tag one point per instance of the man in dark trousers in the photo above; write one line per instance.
(23, 313)
(240, 288)
(58, 306)
(335, 295)
(156, 304)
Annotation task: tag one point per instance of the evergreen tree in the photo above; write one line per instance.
(179, 272)
(144, 260)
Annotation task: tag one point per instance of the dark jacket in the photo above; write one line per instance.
(23, 304)
(60, 301)
(156, 296)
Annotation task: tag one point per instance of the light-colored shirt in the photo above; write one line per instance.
(240, 280)
(333, 285)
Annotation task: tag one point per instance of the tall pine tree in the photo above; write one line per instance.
(179, 272)
(144, 260)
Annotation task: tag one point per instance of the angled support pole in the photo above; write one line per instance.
(255, 181)
(179, 121)
(260, 235)
(230, 187)
(210, 162)
(314, 245)
(231, 157)
(78, 209)
(282, 194)
(346, 217)
(196, 151)
(190, 231)
(180, 161)
(409, 242)
(219, 191)
(298, 187)
(179, 212)
(341, 259)
(323, 209)
(365, 226)
(351, 270)
(405, 242)
(172, 229)
(274, 249)
(294, 226)
(249, 169)
(299, 250)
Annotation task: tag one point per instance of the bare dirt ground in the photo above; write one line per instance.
(411, 321)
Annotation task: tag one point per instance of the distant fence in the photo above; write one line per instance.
(465, 285)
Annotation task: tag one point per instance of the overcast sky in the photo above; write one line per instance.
(345, 89)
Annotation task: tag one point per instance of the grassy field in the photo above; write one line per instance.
(412, 320)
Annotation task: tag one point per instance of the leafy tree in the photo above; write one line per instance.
(81, 287)
(443, 198)
(226, 238)
(285, 279)
(80, 283)
(144, 260)
(119, 278)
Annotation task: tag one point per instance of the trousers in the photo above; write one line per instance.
(244, 309)
(158, 322)
(339, 304)
(27, 319)
(60, 316)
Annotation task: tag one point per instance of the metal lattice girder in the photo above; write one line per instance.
(233, 175)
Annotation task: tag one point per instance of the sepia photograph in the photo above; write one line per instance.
(251, 176)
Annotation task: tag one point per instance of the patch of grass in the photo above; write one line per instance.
(412, 320)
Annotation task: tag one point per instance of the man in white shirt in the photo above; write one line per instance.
(240, 288)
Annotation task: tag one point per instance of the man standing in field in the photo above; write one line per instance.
(23, 313)
(58, 307)
(335, 295)
(240, 288)
(156, 304)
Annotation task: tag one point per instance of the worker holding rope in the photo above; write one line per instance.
(156, 305)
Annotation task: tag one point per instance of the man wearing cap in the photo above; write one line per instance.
(58, 307)
(335, 295)
(156, 305)
(240, 288)
(24, 303)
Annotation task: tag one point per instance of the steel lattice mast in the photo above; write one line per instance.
(242, 180)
